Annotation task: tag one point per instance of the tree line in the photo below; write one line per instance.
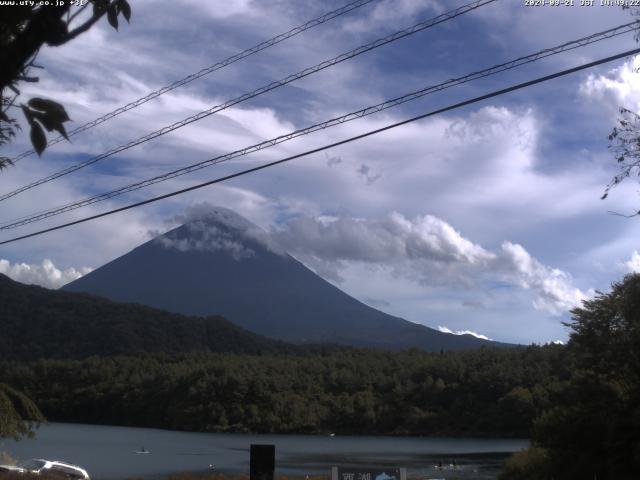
(476, 392)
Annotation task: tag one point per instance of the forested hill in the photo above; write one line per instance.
(40, 323)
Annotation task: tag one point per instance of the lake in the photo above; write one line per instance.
(109, 452)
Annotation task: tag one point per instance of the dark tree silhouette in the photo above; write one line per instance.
(591, 428)
(23, 31)
(624, 143)
(624, 139)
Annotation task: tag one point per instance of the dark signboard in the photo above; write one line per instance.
(368, 474)
(262, 462)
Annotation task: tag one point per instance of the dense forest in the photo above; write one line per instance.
(476, 392)
(40, 323)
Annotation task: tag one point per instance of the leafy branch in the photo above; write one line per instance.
(23, 31)
(624, 143)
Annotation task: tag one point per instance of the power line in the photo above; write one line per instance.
(593, 38)
(326, 147)
(205, 71)
(272, 86)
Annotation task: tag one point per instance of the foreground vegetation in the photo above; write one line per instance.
(592, 427)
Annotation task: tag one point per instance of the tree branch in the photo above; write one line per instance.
(88, 24)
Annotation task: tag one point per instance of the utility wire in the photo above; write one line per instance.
(332, 145)
(596, 37)
(272, 86)
(205, 71)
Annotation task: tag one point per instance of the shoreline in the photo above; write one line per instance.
(107, 453)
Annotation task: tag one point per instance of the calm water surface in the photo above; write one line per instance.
(109, 452)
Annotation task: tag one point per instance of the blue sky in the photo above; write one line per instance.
(485, 219)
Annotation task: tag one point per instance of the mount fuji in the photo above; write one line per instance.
(221, 264)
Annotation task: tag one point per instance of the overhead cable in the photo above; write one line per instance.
(206, 71)
(332, 145)
(596, 37)
(271, 86)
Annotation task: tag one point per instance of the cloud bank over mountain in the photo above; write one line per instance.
(424, 250)
(428, 250)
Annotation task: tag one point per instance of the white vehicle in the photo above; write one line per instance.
(49, 467)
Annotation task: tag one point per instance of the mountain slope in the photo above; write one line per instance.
(39, 323)
(222, 264)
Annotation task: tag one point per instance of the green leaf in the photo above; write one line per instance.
(38, 138)
(125, 9)
(99, 6)
(112, 16)
(44, 119)
(60, 129)
(50, 122)
(49, 113)
(54, 109)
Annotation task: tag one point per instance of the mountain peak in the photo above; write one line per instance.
(209, 214)
(208, 228)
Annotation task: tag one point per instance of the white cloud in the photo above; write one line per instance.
(46, 274)
(211, 228)
(389, 239)
(395, 12)
(444, 329)
(554, 290)
(204, 237)
(620, 86)
(425, 249)
(633, 264)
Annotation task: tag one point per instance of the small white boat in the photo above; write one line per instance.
(142, 451)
